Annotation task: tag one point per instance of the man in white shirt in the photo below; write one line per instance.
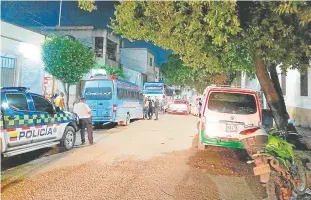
(84, 113)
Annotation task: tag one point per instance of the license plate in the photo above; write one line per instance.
(231, 128)
(263, 169)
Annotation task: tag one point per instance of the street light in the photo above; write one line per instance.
(60, 12)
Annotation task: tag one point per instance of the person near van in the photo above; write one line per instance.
(145, 108)
(150, 109)
(200, 107)
(84, 113)
(60, 101)
(156, 108)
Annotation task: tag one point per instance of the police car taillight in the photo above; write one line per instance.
(114, 108)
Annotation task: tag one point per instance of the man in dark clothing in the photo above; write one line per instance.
(150, 111)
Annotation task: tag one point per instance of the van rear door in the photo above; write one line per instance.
(98, 94)
(104, 99)
(90, 95)
(226, 113)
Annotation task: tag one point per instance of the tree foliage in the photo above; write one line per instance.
(87, 5)
(217, 35)
(226, 36)
(176, 73)
(111, 71)
(67, 60)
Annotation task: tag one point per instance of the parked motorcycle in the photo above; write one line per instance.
(284, 171)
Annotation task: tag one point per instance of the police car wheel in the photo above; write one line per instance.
(69, 138)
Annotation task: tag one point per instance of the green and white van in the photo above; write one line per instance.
(226, 111)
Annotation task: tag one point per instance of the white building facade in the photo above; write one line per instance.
(21, 63)
(142, 61)
(105, 45)
(296, 88)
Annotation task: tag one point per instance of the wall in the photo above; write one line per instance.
(298, 107)
(135, 59)
(133, 77)
(25, 46)
(138, 59)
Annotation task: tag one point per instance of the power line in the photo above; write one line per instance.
(30, 12)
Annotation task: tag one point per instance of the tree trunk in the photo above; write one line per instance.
(275, 103)
(276, 82)
(66, 89)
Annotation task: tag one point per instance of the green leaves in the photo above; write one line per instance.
(112, 71)
(66, 59)
(87, 5)
(221, 36)
(177, 73)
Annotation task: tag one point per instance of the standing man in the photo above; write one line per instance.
(156, 108)
(150, 109)
(84, 113)
(60, 101)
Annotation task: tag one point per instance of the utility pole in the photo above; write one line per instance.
(60, 12)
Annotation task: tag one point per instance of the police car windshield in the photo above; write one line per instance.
(233, 103)
(98, 93)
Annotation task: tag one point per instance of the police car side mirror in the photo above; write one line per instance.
(57, 109)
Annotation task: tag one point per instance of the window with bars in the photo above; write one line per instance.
(99, 43)
(304, 84)
(7, 62)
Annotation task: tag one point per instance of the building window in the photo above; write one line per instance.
(283, 83)
(304, 84)
(99, 44)
(112, 48)
(150, 62)
(7, 62)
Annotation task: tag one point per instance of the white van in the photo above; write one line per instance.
(226, 111)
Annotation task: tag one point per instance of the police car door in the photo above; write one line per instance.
(16, 116)
(45, 127)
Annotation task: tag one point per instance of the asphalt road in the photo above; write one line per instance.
(146, 160)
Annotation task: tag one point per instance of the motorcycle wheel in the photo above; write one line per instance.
(278, 189)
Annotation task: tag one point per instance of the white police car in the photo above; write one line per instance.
(30, 122)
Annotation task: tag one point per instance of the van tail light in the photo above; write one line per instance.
(249, 131)
(203, 125)
(114, 108)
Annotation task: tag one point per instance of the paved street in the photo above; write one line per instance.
(146, 160)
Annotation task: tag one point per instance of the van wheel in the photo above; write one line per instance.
(69, 138)
(128, 120)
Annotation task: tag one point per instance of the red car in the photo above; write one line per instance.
(179, 107)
